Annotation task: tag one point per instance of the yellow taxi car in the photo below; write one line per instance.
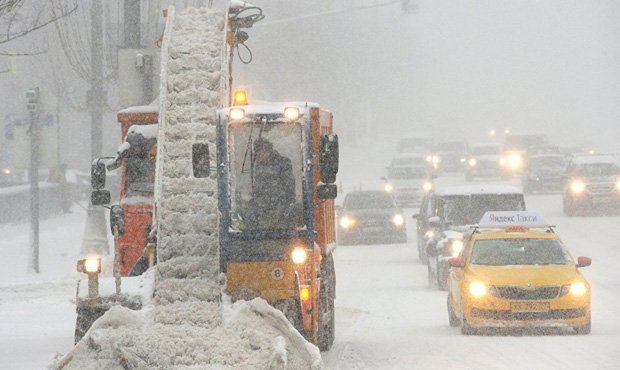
(514, 271)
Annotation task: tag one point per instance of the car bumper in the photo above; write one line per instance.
(590, 200)
(408, 197)
(491, 311)
(372, 234)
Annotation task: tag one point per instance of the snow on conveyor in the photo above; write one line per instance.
(185, 325)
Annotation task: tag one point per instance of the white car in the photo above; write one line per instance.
(408, 179)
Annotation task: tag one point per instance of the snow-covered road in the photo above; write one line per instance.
(387, 317)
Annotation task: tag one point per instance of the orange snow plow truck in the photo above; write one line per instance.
(276, 168)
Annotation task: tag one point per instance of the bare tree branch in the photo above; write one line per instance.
(22, 54)
(38, 23)
(7, 6)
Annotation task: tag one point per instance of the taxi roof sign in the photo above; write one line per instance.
(509, 219)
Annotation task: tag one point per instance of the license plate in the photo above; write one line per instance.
(529, 306)
(373, 229)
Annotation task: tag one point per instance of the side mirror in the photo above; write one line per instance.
(99, 197)
(383, 178)
(327, 191)
(456, 262)
(328, 158)
(97, 174)
(583, 261)
(434, 221)
(117, 219)
(200, 160)
(415, 216)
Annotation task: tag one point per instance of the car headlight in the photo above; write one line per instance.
(429, 158)
(578, 289)
(477, 289)
(436, 159)
(577, 187)
(388, 187)
(346, 222)
(398, 220)
(503, 161)
(472, 162)
(428, 186)
(618, 185)
(515, 161)
(299, 255)
(429, 234)
(463, 159)
(456, 247)
(7, 171)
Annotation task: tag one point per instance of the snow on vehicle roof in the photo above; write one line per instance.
(148, 131)
(151, 108)
(596, 158)
(477, 189)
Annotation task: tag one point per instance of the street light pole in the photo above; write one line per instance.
(33, 176)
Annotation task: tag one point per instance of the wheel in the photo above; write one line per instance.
(327, 311)
(583, 329)
(452, 319)
(466, 329)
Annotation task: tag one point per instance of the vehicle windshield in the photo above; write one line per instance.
(469, 209)
(548, 163)
(266, 176)
(485, 150)
(139, 153)
(519, 251)
(368, 200)
(598, 169)
(402, 173)
(413, 144)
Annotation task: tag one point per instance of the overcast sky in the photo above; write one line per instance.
(452, 66)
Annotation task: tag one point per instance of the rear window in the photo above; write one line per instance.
(482, 150)
(451, 146)
(530, 251)
(469, 209)
(369, 200)
(400, 173)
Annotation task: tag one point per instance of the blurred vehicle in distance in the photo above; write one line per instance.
(544, 173)
(451, 155)
(484, 161)
(370, 216)
(408, 179)
(592, 184)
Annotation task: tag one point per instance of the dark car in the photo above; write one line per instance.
(446, 216)
(592, 184)
(451, 155)
(544, 172)
(370, 216)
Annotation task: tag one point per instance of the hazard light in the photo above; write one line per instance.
(241, 97)
(291, 113)
(236, 114)
(305, 294)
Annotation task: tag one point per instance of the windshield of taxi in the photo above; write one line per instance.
(518, 251)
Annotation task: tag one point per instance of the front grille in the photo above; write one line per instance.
(600, 188)
(507, 315)
(516, 293)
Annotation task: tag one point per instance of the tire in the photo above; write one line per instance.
(583, 329)
(466, 329)
(452, 319)
(327, 311)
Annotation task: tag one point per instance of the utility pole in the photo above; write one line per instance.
(32, 96)
(96, 94)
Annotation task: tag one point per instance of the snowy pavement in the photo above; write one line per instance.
(386, 318)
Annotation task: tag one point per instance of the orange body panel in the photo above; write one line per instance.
(138, 215)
